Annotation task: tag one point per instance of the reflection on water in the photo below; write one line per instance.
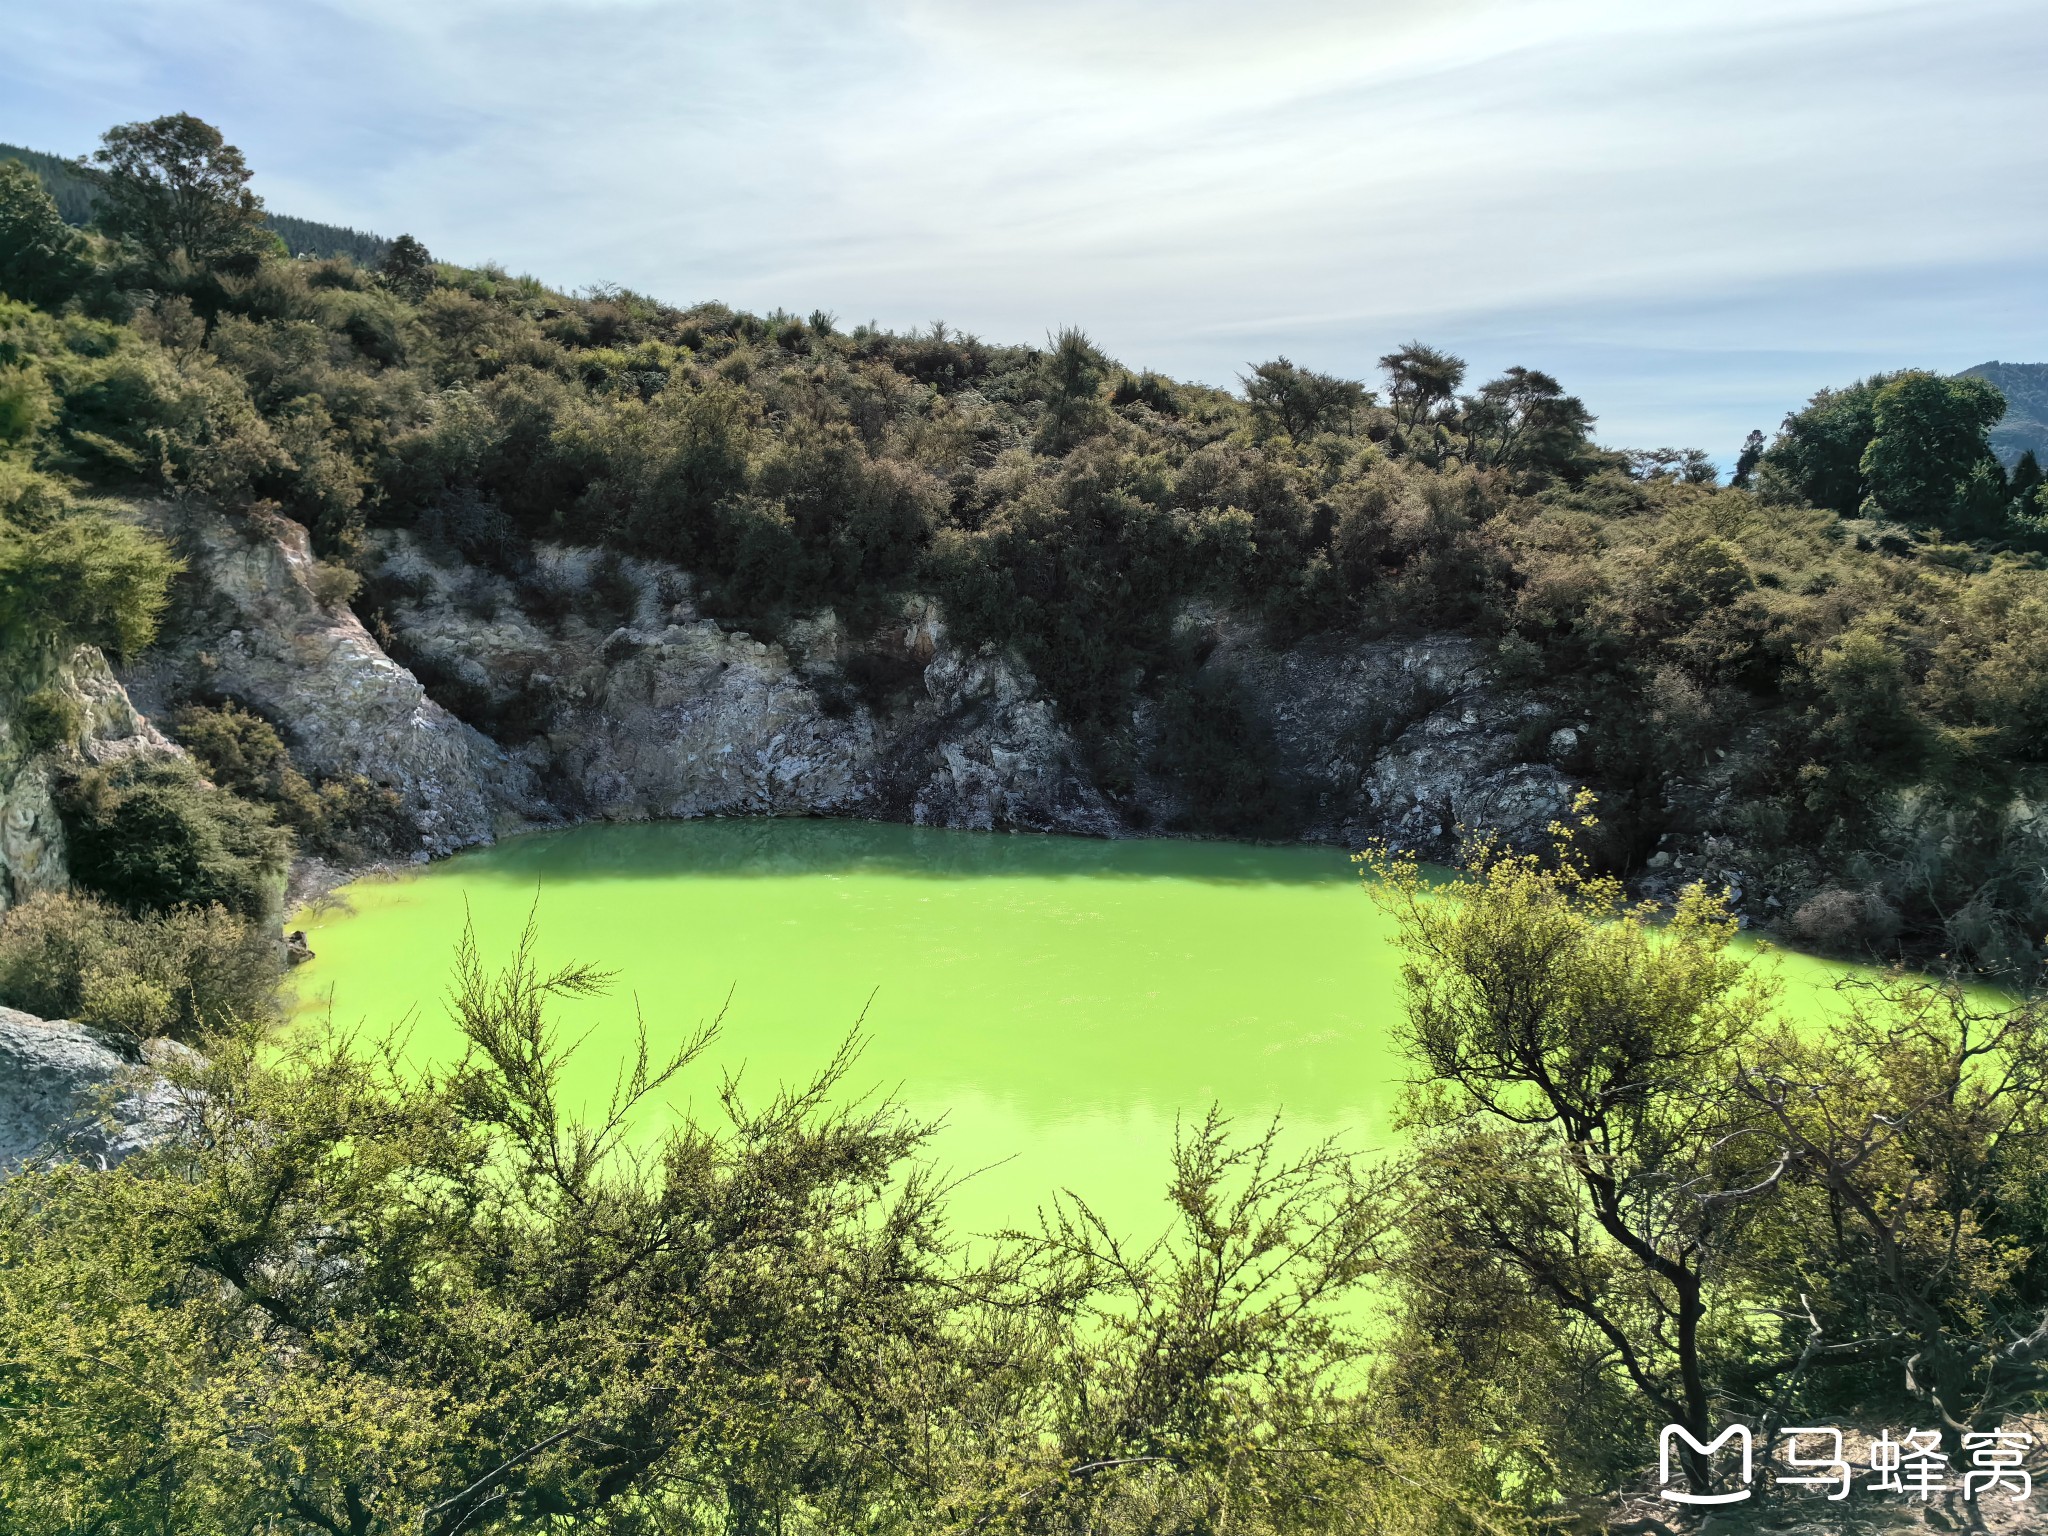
(780, 847)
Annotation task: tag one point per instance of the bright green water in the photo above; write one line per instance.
(1059, 1001)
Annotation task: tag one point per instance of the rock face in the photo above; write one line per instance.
(247, 625)
(593, 687)
(109, 727)
(71, 1092)
(1396, 739)
(617, 699)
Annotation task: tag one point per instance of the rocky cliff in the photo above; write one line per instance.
(583, 685)
(53, 709)
(247, 624)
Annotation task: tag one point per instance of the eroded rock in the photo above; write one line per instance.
(248, 626)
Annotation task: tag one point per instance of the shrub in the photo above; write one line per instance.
(348, 818)
(85, 579)
(1222, 758)
(334, 586)
(49, 718)
(179, 973)
(153, 836)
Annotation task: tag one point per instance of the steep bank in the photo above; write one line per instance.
(584, 685)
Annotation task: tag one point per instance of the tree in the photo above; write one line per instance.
(1688, 466)
(1569, 1140)
(1421, 380)
(1746, 461)
(1525, 417)
(1819, 450)
(1929, 459)
(2026, 480)
(1301, 402)
(42, 260)
(1072, 375)
(1919, 1128)
(175, 187)
(408, 269)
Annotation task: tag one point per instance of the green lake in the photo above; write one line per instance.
(1058, 1001)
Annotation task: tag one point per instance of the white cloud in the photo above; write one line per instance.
(1654, 192)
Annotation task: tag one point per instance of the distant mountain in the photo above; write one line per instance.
(75, 198)
(2026, 409)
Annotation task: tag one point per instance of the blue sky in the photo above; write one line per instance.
(1695, 212)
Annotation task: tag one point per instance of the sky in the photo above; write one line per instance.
(1693, 212)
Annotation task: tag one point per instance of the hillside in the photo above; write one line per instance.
(2025, 427)
(308, 568)
(663, 561)
(74, 196)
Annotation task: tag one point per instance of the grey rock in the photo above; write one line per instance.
(249, 628)
(70, 1092)
(612, 696)
(31, 834)
(1396, 739)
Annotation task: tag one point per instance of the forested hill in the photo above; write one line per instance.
(75, 197)
(2025, 427)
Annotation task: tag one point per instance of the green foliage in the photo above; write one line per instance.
(1635, 1198)
(1421, 382)
(75, 576)
(408, 269)
(1525, 419)
(186, 973)
(179, 191)
(1566, 1150)
(42, 262)
(1070, 380)
(359, 1297)
(1301, 402)
(242, 753)
(1715, 652)
(1929, 458)
(151, 836)
(68, 183)
(1819, 450)
(49, 718)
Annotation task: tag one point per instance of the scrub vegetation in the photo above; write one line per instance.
(1828, 671)
(352, 1296)
(355, 1297)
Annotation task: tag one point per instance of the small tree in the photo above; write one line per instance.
(1072, 375)
(1919, 1128)
(174, 187)
(1420, 381)
(1525, 417)
(408, 269)
(1570, 1140)
(1302, 402)
(1746, 461)
(42, 260)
